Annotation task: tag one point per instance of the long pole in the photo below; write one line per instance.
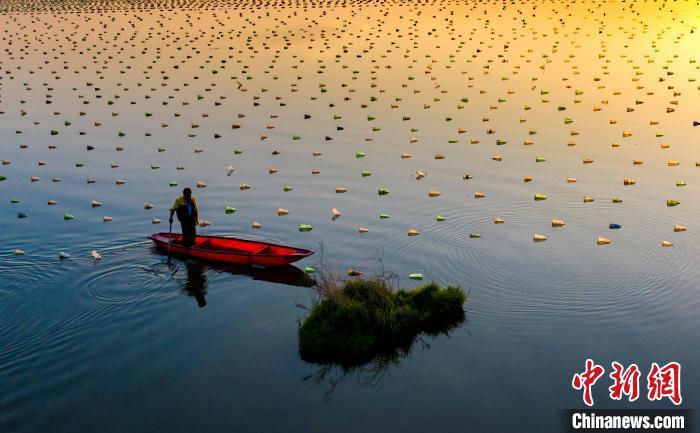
(170, 232)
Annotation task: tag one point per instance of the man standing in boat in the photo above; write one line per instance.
(188, 214)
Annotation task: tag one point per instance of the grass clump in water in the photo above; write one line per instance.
(363, 319)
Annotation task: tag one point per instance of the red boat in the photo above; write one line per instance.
(231, 250)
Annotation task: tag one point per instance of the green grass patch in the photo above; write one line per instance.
(366, 319)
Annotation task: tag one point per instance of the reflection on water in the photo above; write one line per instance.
(369, 374)
(288, 275)
(196, 282)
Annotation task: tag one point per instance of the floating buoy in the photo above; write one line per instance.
(628, 181)
(286, 188)
(244, 186)
(68, 217)
(434, 193)
(672, 163)
(570, 180)
(587, 199)
(499, 221)
(479, 195)
(420, 175)
(120, 182)
(382, 191)
(527, 179)
(282, 211)
(558, 223)
(63, 256)
(19, 253)
(147, 206)
(229, 210)
(474, 235)
(305, 228)
(95, 255)
(440, 218)
(540, 197)
(383, 216)
(340, 189)
(416, 277)
(335, 214)
(614, 226)
(539, 238)
(106, 219)
(412, 232)
(256, 225)
(309, 270)
(666, 244)
(204, 223)
(354, 273)
(602, 241)
(672, 202)
(678, 228)
(95, 203)
(680, 183)
(617, 200)
(229, 169)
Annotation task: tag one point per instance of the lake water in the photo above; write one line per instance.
(134, 343)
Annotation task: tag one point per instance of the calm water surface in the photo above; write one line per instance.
(136, 343)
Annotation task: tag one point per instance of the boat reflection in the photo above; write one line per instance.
(288, 275)
(195, 282)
